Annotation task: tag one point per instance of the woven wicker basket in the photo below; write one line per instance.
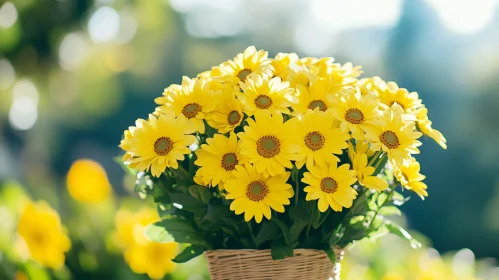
(258, 265)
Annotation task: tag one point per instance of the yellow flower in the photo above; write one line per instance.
(331, 185)
(364, 172)
(355, 111)
(158, 143)
(152, 258)
(299, 76)
(281, 64)
(268, 143)
(318, 138)
(410, 178)
(363, 147)
(169, 91)
(424, 125)
(217, 159)
(373, 85)
(228, 113)
(87, 181)
(263, 93)
(41, 229)
(245, 64)
(193, 100)
(130, 226)
(395, 135)
(254, 194)
(409, 101)
(312, 97)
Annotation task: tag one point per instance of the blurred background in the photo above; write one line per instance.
(75, 74)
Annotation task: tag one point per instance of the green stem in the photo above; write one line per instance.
(251, 233)
(376, 155)
(379, 161)
(297, 188)
(308, 230)
(388, 197)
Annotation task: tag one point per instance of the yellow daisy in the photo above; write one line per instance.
(365, 172)
(410, 178)
(244, 64)
(395, 135)
(312, 97)
(263, 93)
(318, 138)
(281, 64)
(299, 76)
(354, 111)
(409, 101)
(373, 85)
(228, 113)
(424, 125)
(254, 194)
(194, 101)
(169, 91)
(331, 185)
(267, 142)
(158, 143)
(218, 158)
(47, 241)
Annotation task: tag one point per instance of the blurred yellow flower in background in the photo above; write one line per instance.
(152, 258)
(87, 181)
(41, 229)
(141, 254)
(130, 225)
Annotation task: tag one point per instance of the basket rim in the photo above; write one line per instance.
(268, 250)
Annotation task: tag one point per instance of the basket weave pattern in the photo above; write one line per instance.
(258, 265)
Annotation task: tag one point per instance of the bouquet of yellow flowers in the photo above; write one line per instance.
(279, 154)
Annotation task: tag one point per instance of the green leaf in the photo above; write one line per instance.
(216, 216)
(268, 231)
(300, 216)
(381, 164)
(181, 230)
(390, 211)
(284, 228)
(336, 236)
(158, 234)
(280, 250)
(189, 253)
(399, 199)
(357, 219)
(200, 192)
(331, 254)
(380, 232)
(381, 199)
(398, 230)
(188, 202)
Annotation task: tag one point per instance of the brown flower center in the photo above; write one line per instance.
(191, 110)
(263, 101)
(229, 161)
(389, 139)
(234, 117)
(314, 140)
(163, 146)
(268, 146)
(318, 103)
(257, 191)
(354, 116)
(329, 185)
(243, 74)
